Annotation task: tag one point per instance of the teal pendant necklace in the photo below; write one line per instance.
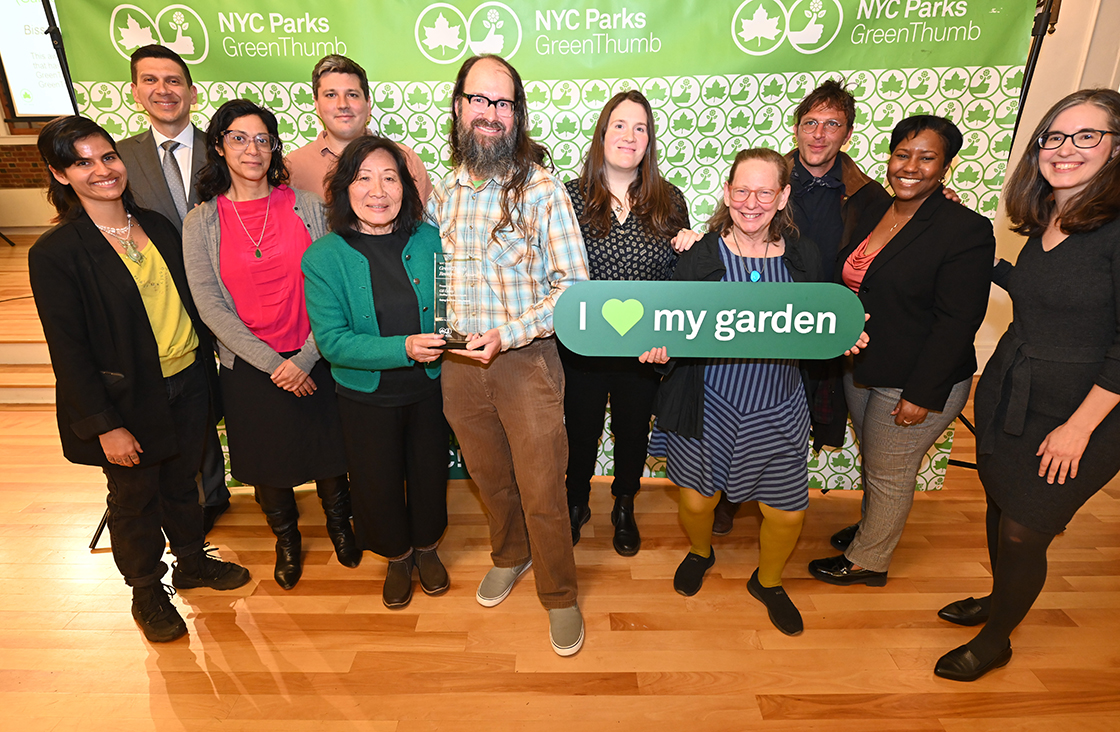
(256, 242)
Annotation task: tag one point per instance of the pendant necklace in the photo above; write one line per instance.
(256, 243)
(123, 235)
(755, 274)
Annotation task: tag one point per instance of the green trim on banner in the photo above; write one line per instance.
(813, 320)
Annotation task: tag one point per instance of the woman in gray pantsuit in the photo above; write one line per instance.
(921, 265)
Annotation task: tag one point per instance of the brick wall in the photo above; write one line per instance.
(21, 167)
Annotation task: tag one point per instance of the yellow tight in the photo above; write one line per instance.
(697, 513)
(776, 538)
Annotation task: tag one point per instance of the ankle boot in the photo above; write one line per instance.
(335, 495)
(627, 540)
(725, 516)
(279, 506)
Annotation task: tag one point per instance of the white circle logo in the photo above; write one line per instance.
(759, 27)
(444, 35)
(178, 27)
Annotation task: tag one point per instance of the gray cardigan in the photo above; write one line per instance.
(201, 245)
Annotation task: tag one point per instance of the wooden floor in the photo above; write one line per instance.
(328, 656)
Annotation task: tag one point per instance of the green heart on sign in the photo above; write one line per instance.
(623, 315)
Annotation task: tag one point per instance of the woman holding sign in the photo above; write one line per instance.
(242, 248)
(921, 265)
(370, 289)
(741, 426)
(627, 214)
(1046, 420)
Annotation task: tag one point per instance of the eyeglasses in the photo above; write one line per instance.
(480, 104)
(762, 195)
(1084, 139)
(830, 126)
(238, 140)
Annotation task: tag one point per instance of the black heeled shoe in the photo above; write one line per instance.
(335, 495)
(579, 515)
(960, 664)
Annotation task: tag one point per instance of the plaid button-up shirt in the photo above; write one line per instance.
(510, 279)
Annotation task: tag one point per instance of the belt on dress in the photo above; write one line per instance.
(1018, 369)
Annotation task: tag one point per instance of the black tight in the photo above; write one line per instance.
(1018, 557)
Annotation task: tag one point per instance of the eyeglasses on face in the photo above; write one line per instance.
(480, 104)
(238, 140)
(830, 126)
(762, 195)
(1084, 139)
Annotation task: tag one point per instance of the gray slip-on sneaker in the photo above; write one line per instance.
(565, 630)
(498, 582)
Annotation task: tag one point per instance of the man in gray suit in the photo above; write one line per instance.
(163, 165)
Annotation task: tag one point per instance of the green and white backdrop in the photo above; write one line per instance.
(721, 75)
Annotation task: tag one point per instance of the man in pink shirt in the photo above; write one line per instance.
(342, 102)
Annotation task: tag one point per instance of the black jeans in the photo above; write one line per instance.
(399, 459)
(632, 387)
(147, 502)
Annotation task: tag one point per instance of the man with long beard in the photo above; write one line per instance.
(509, 231)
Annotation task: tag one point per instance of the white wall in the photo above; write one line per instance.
(1084, 51)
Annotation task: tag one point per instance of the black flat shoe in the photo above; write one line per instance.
(968, 611)
(397, 591)
(579, 516)
(783, 613)
(838, 571)
(627, 541)
(842, 539)
(433, 575)
(960, 664)
(690, 574)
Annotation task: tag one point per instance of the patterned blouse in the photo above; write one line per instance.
(629, 251)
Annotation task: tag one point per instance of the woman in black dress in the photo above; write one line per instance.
(1047, 428)
(627, 214)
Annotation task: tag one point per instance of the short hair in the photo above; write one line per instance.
(56, 146)
(832, 93)
(157, 51)
(340, 215)
(527, 152)
(950, 134)
(338, 64)
(782, 223)
(653, 199)
(214, 178)
(1030, 198)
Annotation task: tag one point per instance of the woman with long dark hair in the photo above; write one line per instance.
(132, 367)
(627, 214)
(243, 247)
(1045, 406)
(370, 289)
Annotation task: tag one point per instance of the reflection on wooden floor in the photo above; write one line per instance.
(328, 656)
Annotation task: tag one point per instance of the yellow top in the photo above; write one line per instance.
(171, 325)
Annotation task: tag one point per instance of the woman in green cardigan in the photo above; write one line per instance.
(370, 293)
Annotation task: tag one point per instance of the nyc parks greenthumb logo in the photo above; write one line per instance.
(709, 319)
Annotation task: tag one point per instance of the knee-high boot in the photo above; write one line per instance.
(279, 506)
(335, 495)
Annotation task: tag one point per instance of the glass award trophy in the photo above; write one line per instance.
(449, 302)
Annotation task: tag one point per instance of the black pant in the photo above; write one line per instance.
(147, 502)
(399, 459)
(632, 387)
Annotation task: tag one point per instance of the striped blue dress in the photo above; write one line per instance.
(755, 442)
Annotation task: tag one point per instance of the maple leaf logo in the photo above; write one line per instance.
(444, 35)
(133, 35)
(760, 26)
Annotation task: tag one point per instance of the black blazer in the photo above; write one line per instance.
(145, 174)
(103, 351)
(926, 293)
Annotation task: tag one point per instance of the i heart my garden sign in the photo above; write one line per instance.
(709, 319)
